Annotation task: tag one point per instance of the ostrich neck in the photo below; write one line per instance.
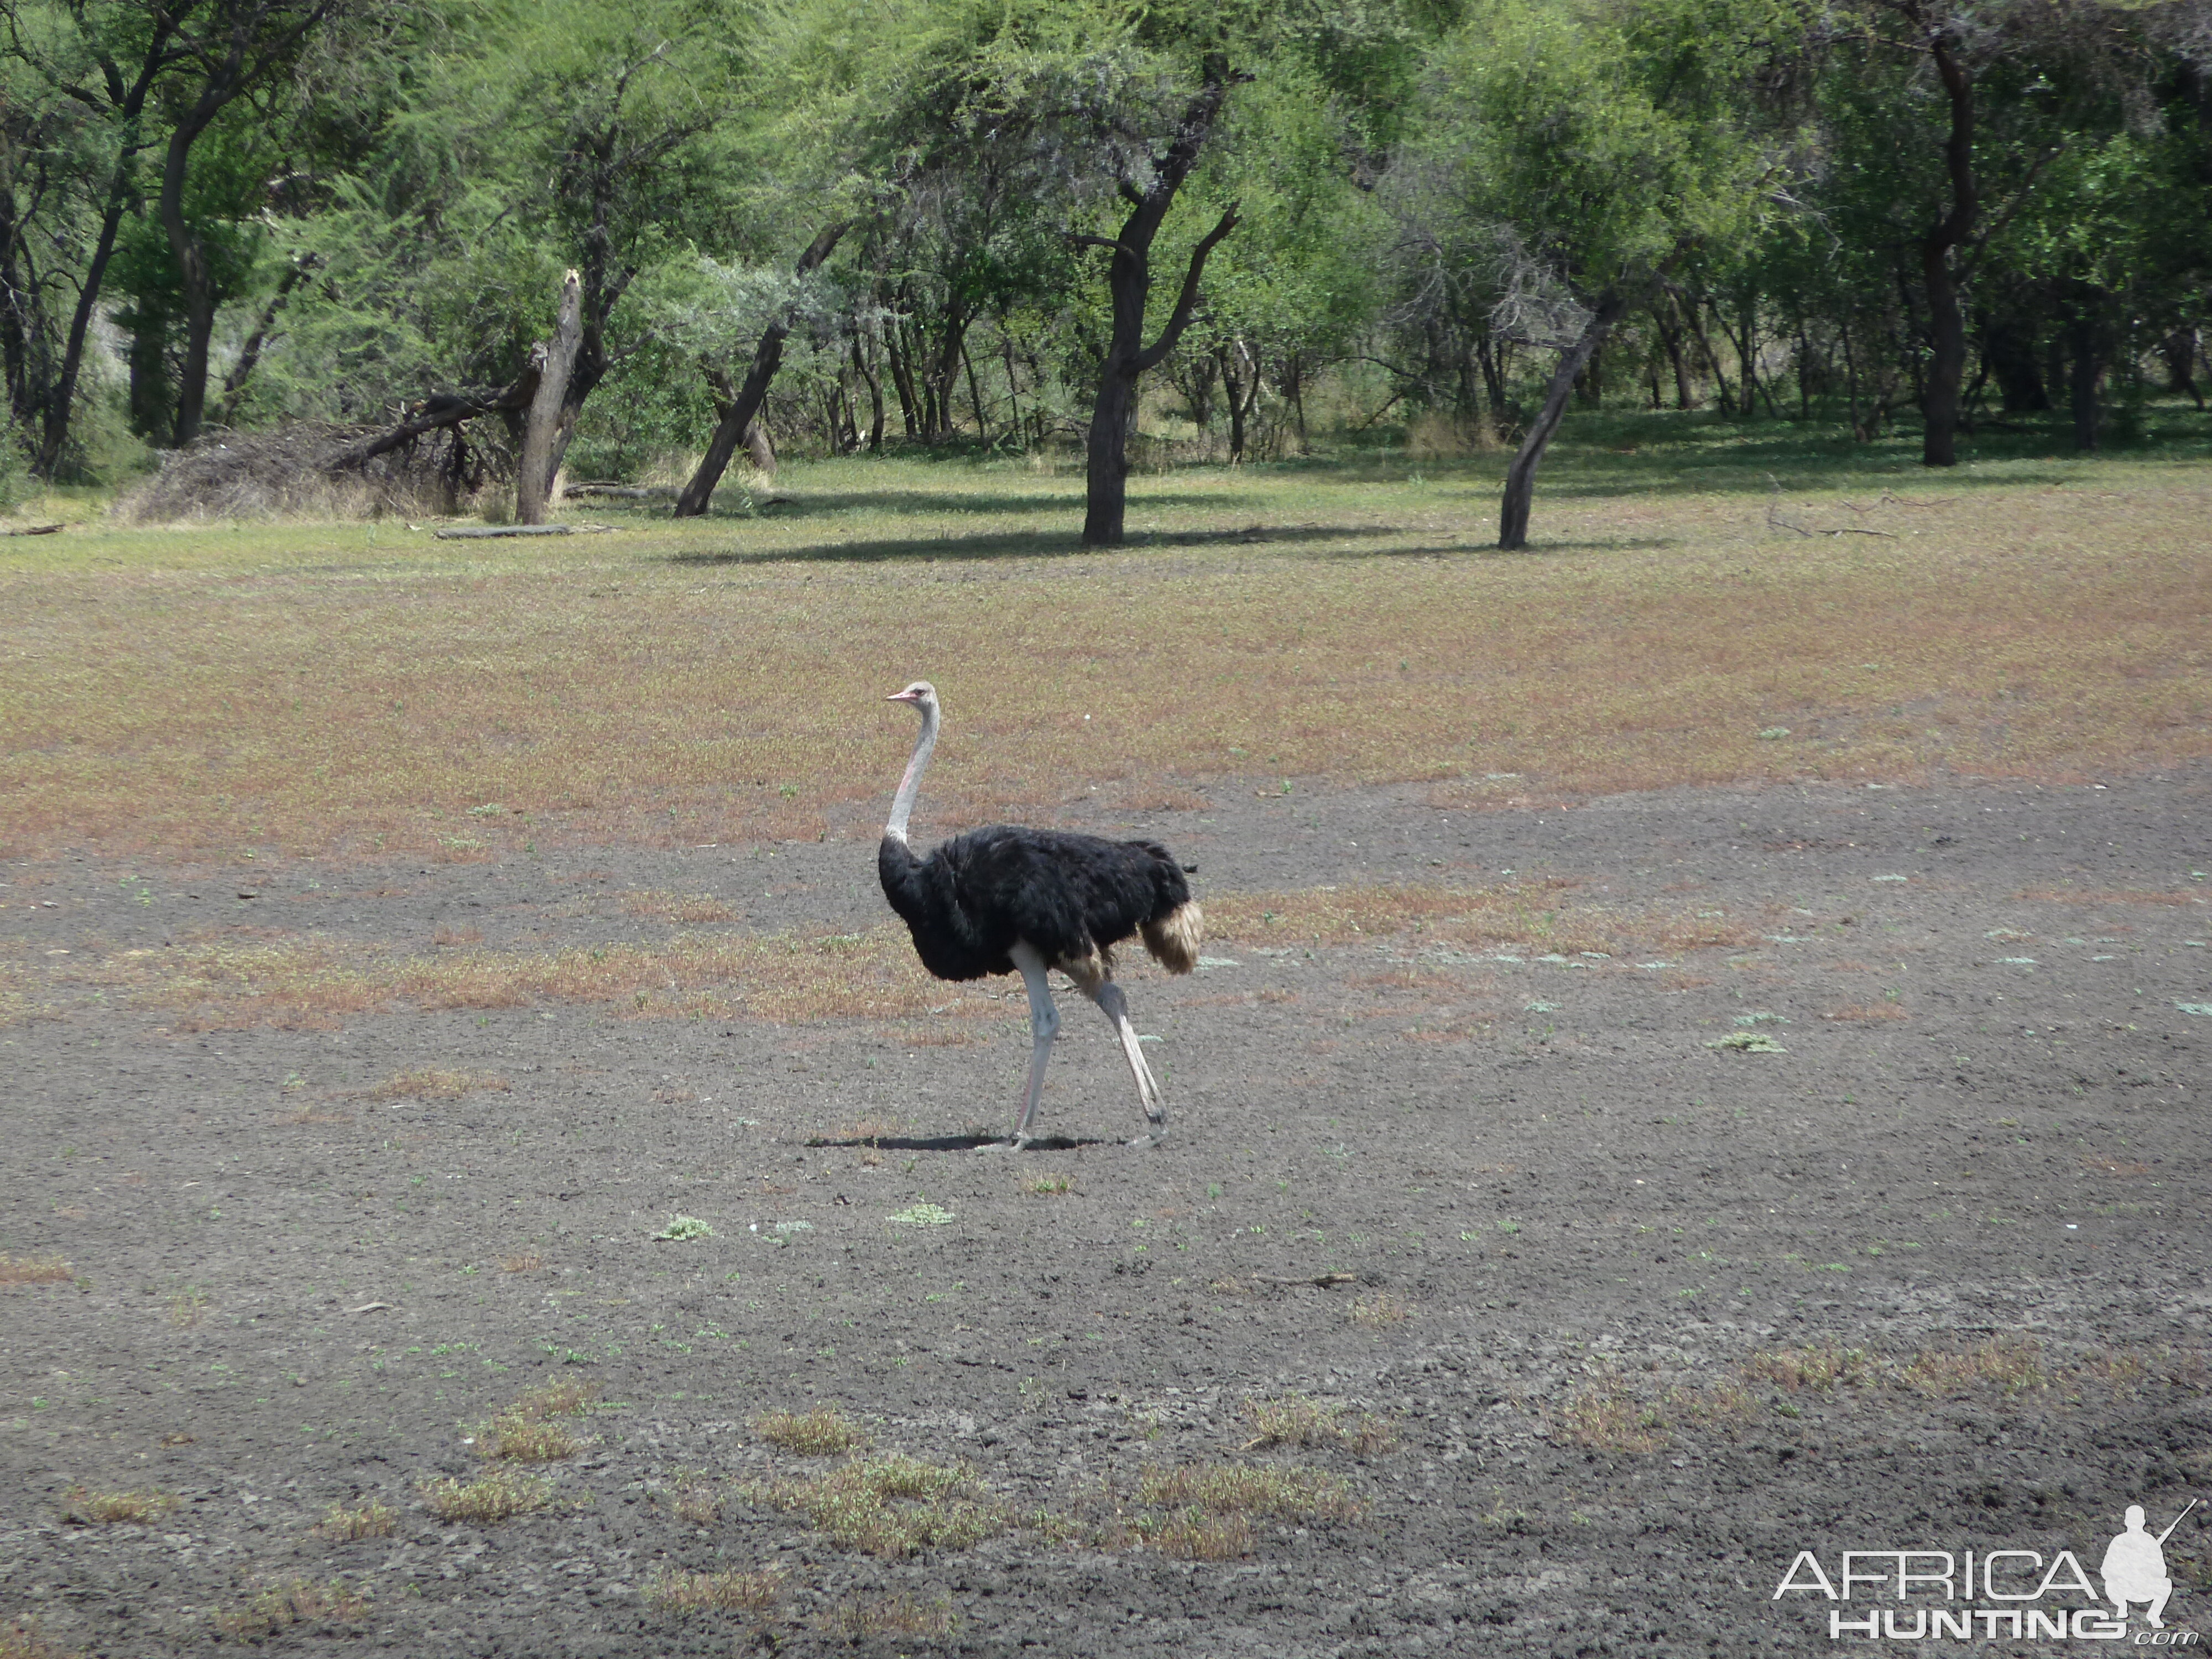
(910, 785)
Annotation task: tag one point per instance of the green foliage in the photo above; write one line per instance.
(1431, 193)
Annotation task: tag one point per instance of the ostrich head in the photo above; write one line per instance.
(921, 694)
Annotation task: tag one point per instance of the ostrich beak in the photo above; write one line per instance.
(902, 697)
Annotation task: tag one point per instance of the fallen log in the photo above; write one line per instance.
(34, 530)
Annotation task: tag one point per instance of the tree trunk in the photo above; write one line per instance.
(1521, 476)
(534, 477)
(2179, 351)
(62, 399)
(902, 371)
(2008, 347)
(2081, 339)
(768, 357)
(1947, 322)
(1234, 393)
(1129, 281)
(1691, 309)
(974, 396)
(1851, 381)
(760, 449)
(1670, 337)
(875, 396)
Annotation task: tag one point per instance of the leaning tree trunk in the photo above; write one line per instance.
(738, 414)
(533, 481)
(1521, 476)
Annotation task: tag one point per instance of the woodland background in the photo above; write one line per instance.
(220, 217)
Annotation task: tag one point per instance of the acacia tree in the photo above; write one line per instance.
(79, 79)
(223, 47)
(1604, 147)
(1147, 180)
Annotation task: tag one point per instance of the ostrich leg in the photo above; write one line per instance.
(1112, 1004)
(1044, 1025)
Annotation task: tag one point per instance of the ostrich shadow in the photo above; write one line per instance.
(969, 1141)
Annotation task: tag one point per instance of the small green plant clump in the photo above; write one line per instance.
(822, 1432)
(904, 1614)
(344, 1526)
(1295, 1420)
(113, 1508)
(296, 1602)
(490, 1498)
(733, 1590)
(892, 1506)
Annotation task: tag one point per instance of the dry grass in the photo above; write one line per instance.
(690, 907)
(904, 1614)
(526, 1261)
(1379, 1309)
(22, 1641)
(1251, 1489)
(1610, 1416)
(136, 1508)
(430, 1084)
(696, 1502)
(1295, 1420)
(526, 1432)
(1537, 916)
(306, 980)
(345, 1526)
(1868, 1013)
(295, 1601)
(48, 1268)
(891, 1506)
(1814, 1369)
(733, 1590)
(822, 1432)
(188, 1307)
(309, 690)
(563, 1397)
(499, 1496)
(514, 1438)
(2012, 1365)
(2105, 895)
(1195, 1535)
(1606, 1417)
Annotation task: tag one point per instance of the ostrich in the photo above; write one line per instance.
(1007, 899)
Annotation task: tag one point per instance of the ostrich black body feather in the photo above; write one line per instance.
(1067, 895)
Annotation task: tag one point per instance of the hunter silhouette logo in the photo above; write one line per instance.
(1971, 1595)
(2133, 1569)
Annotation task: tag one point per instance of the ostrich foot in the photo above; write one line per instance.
(1153, 1138)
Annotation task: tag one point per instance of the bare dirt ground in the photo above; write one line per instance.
(1593, 1325)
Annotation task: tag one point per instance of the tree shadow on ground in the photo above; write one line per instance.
(1670, 453)
(1023, 544)
(819, 503)
(1489, 550)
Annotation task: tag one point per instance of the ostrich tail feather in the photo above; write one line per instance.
(1174, 939)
